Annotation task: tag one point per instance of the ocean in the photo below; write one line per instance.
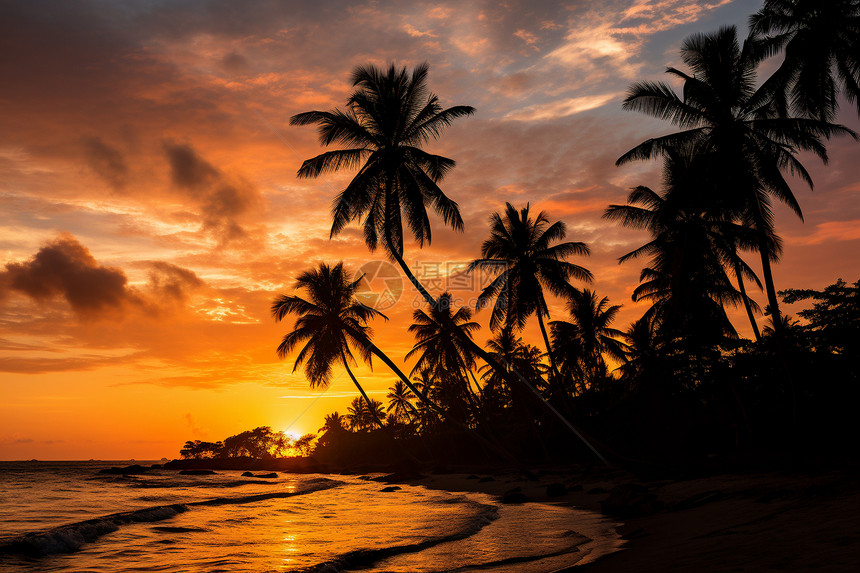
(65, 516)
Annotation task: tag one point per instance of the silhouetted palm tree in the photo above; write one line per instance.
(400, 402)
(333, 422)
(440, 338)
(387, 119)
(520, 249)
(330, 324)
(821, 41)
(688, 231)
(590, 320)
(738, 126)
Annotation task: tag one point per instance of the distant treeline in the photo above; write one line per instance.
(261, 443)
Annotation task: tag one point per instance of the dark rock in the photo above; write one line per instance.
(576, 487)
(631, 500)
(197, 473)
(267, 476)
(248, 475)
(514, 497)
(365, 478)
(390, 488)
(556, 490)
(597, 490)
(400, 477)
(126, 471)
(486, 479)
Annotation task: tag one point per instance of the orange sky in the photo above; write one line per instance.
(149, 210)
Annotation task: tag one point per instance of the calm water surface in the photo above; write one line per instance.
(70, 518)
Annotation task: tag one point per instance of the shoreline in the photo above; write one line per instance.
(737, 521)
(731, 522)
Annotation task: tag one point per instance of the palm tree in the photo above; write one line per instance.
(333, 422)
(400, 401)
(688, 233)
(330, 324)
(389, 115)
(739, 128)
(387, 119)
(358, 415)
(521, 249)
(441, 337)
(590, 326)
(821, 41)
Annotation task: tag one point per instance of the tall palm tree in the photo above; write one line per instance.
(689, 234)
(388, 117)
(520, 248)
(821, 41)
(590, 320)
(723, 114)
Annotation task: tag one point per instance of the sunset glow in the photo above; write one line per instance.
(150, 210)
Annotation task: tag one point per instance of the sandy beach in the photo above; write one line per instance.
(733, 522)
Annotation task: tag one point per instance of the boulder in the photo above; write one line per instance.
(515, 497)
(126, 471)
(247, 474)
(390, 488)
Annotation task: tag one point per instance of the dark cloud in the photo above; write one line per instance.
(224, 201)
(169, 281)
(107, 162)
(65, 268)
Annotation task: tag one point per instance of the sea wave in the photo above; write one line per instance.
(71, 537)
(364, 558)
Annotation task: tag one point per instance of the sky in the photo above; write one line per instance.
(150, 212)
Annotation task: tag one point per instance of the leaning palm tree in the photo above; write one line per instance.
(739, 126)
(387, 119)
(330, 324)
(520, 249)
(821, 43)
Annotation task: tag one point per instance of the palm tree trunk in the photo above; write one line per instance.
(485, 356)
(764, 250)
(552, 366)
(747, 305)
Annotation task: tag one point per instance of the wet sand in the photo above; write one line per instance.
(732, 522)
